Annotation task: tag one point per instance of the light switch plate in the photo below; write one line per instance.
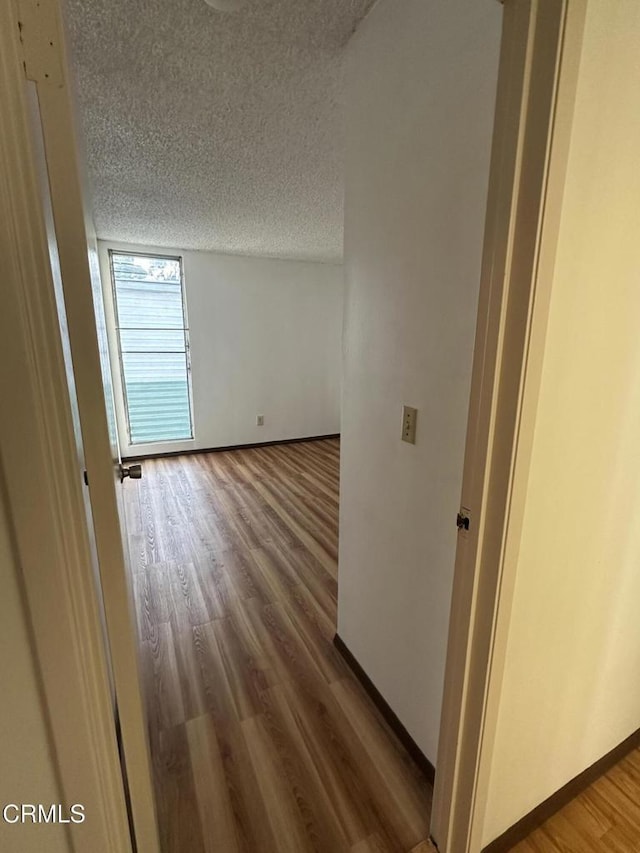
(409, 418)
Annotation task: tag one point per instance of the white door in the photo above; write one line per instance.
(83, 333)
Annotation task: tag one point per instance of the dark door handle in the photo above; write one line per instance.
(133, 472)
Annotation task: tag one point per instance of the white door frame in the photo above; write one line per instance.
(536, 92)
(72, 243)
(43, 491)
(32, 46)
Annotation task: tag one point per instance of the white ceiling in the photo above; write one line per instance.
(212, 130)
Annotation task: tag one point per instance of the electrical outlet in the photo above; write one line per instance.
(409, 418)
(259, 420)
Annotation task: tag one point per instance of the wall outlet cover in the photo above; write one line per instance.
(259, 420)
(409, 419)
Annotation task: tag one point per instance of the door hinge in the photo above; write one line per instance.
(463, 519)
(85, 477)
(41, 42)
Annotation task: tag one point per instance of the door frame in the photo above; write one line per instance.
(32, 47)
(537, 82)
(43, 492)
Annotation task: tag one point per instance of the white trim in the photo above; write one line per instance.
(541, 41)
(73, 238)
(43, 488)
(565, 76)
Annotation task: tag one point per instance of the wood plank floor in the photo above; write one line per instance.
(605, 818)
(262, 740)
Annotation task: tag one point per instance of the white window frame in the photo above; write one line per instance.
(185, 329)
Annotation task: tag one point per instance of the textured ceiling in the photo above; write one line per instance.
(213, 130)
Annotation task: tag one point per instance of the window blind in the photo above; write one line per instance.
(153, 339)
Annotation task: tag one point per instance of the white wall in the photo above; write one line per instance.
(28, 771)
(571, 688)
(421, 82)
(265, 339)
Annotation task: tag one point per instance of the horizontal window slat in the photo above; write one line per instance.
(152, 340)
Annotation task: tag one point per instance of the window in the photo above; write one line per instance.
(153, 341)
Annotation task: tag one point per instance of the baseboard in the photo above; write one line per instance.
(226, 447)
(414, 751)
(535, 818)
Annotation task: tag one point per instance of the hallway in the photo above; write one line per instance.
(261, 737)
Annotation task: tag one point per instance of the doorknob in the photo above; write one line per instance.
(134, 472)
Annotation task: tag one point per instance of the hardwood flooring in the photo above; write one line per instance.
(262, 740)
(605, 818)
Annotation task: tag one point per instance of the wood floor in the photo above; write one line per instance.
(261, 738)
(605, 818)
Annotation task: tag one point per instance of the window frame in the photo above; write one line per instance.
(185, 331)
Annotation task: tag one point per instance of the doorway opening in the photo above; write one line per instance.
(232, 554)
(233, 564)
